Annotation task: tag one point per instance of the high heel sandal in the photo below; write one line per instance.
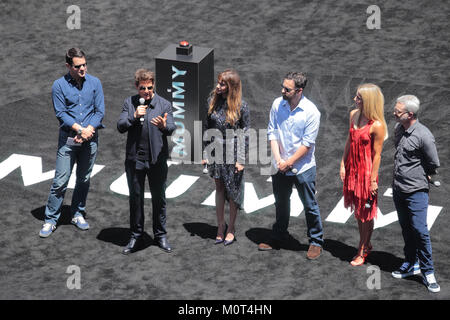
(355, 261)
(228, 242)
(361, 257)
(220, 239)
(368, 250)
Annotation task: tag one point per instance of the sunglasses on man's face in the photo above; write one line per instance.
(80, 65)
(148, 88)
(288, 89)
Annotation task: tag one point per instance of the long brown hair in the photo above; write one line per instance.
(234, 96)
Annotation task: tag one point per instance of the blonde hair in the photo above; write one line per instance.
(234, 96)
(373, 103)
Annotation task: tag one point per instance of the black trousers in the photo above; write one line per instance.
(136, 172)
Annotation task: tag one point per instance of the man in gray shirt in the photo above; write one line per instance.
(415, 160)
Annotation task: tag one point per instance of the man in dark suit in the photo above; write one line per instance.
(148, 125)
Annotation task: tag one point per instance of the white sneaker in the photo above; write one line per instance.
(431, 283)
(406, 271)
(47, 230)
(80, 223)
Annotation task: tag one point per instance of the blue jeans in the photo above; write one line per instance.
(412, 215)
(306, 188)
(84, 156)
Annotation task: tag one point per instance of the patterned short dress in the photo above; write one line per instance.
(234, 182)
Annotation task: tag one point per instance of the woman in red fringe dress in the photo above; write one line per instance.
(361, 161)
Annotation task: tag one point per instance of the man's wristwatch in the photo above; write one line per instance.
(80, 131)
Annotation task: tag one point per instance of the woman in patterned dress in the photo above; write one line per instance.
(227, 113)
(361, 161)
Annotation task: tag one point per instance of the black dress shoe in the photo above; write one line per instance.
(164, 245)
(132, 246)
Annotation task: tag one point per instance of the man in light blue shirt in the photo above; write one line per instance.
(79, 106)
(292, 131)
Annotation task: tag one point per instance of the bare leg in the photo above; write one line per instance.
(361, 236)
(359, 258)
(368, 230)
(365, 231)
(233, 215)
(220, 208)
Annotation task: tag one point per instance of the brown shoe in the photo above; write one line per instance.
(264, 247)
(313, 252)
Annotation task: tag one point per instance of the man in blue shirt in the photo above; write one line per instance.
(79, 106)
(292, 130)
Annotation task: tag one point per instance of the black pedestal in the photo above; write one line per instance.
(186, 81)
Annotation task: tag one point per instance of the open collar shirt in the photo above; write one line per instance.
(84, 105)
(415, 157)
(293, 129)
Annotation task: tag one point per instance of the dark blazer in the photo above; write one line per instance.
(158, 138)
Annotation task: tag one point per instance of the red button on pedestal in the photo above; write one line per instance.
(184, 44)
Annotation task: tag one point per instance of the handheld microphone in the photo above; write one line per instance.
(205, 167)
(293, 170)
(142, 102)
(368, 204)
(435, 183)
